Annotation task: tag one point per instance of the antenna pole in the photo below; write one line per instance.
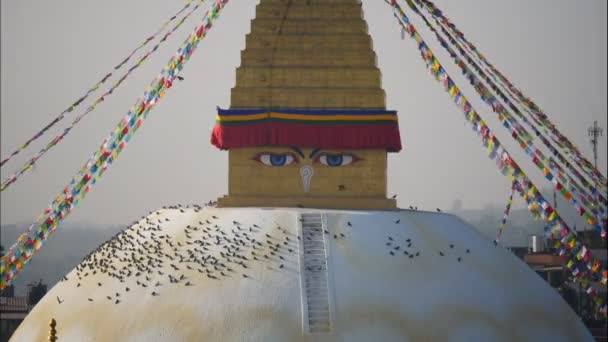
(594, 132)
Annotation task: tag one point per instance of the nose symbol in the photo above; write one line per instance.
(306, 173)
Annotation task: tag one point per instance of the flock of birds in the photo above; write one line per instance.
(145, 256)
(208, 250)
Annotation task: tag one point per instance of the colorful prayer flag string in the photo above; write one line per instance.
(505, 214)
(92, 89)
(587, 266)
(567, 187)
(28, 165)
(560, 139)
(28, 243)
(594, 198)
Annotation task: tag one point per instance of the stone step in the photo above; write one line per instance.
(318, 308)
(321, 313)
(317, 289)
(315, 282)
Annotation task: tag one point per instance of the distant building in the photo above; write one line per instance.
(12, 312)
(14, 309)
(549, 267)
(8, 291)
(519, 252)
(552, 268)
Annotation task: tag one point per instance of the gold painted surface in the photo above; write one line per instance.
(327, 98)
(301, 10)
(252, 183)
(306, 76)
(308, 58)
(328, 202)
(314, 54)
(321, 41)
(333, 25)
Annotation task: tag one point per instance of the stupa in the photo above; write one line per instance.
(306, 246)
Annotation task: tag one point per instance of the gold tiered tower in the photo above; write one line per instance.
(308, 54)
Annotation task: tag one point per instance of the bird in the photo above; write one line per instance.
(438, 210)
(397, 222)
(468, 251)
(459, 259)
(441, 253)
(349, 224)
(392, 253)
(59, 300)
(394, 196)
(390, 238)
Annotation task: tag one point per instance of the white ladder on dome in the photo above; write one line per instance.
(315, 277)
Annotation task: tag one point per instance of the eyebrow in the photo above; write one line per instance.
(315, 151)
(298, 151)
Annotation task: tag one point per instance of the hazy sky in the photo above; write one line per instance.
(53, 51)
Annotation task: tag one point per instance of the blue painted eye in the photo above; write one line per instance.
(334, 160)
(278, 159)
(275, 159)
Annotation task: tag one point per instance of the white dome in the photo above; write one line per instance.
(377, 285)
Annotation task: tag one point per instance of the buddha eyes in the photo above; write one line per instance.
(276, 159)
(333, 160)
(284, 159)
